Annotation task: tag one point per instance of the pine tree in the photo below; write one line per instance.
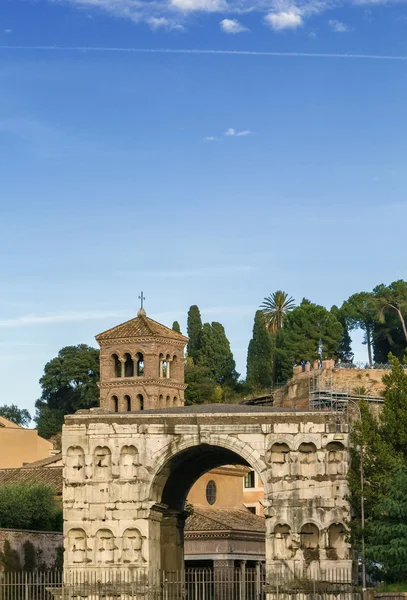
(310, 332)
(260, 355)
(194, 329)
(176, 327)
(216, 355)
(345, 345)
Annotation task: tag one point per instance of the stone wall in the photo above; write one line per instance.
(46, 544)
(126, 477)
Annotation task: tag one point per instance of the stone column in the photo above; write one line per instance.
(242, 594)
(224, 579)
(172, 540)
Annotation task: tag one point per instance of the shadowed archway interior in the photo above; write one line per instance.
(187, 466)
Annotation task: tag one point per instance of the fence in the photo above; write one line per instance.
(233, 583)
(363, 365)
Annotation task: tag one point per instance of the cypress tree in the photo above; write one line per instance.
(176, 327)
(216, 355)
(194, 329)
(260, 355)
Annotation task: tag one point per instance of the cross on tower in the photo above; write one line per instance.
(142, 298)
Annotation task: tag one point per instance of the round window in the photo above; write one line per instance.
(211, 492)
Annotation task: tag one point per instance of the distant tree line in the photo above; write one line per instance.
(283, 335)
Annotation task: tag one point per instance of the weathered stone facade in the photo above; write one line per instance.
(141, 366)
(128, 469)
(127, 477)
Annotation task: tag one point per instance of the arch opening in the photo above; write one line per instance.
(171, 487)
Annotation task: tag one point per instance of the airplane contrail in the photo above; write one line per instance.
(112, 49)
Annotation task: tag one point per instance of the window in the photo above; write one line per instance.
(128, 366)
(252, 509)
(249, 480)
(127, 400)
(211, 492)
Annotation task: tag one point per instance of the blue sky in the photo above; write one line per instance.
(209, 179)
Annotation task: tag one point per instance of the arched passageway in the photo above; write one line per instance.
(170, 488)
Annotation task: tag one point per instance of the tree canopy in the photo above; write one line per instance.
(215, 354)
(20, 416)
(29, 506)
(194, 330)
(68, 384)
(260, 355)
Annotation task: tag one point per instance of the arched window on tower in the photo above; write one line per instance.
(168, 369)
(115, 404)
(140, 365)
(140, 402)
(168, 401)
(128, 366)
(117, 366)
(127, 403)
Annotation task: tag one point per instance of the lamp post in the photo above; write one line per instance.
(362, 506)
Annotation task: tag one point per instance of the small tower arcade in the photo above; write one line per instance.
(141, 366)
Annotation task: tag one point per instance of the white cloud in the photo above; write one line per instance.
(338, 26)
(8, 31)
(211, 138)
(286, 19)
(163, 23)
(233, 133)
(232, 26)
(199, 5)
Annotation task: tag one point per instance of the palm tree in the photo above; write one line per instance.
(393, 297)
(275, 309)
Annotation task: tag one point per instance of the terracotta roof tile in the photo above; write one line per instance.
(44, 462)
(221, 519)
(51, 476)
(141, 326)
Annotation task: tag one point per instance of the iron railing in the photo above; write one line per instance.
(230, 583)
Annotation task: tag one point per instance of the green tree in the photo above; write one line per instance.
(390, 333)
(276, 308)
(310, 332)
(176, 327)
(260, 355)
(20, 416)
(387, 532)
(393, 417)
(201, 386)
(345, 345)
(194, 330)
(360, 311)
(215, 354)
(28, 506)
(68, 384)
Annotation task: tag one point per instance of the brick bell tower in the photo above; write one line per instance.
(141, 366)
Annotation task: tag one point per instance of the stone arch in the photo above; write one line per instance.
(128, 462)
(139, 359)
(105, 547)
(140, 402)
(309, 536)
(114, 403)
(307, 459)
(279, 457)
(175, 401)
(335, 455)
(75, 463)
(168, 401)
(178, 466)
(337, 546)
(161, 401)
(282, 541)
(128, 365)
(132, 547)
(77, 547)
(102, 464)
(116, 366)
(127, 403)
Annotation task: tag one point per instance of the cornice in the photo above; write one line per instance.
(138, 340)
(140, 381)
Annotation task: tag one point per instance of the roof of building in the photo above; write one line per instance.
(141, 326)
(45, 462)
(52, 477)
(10, 424)
(221, 519)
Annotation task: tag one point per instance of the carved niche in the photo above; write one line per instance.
(102, 468)
(77, 547)
(132, 547)
(128, 462)
(75, 463)
(105, 547)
